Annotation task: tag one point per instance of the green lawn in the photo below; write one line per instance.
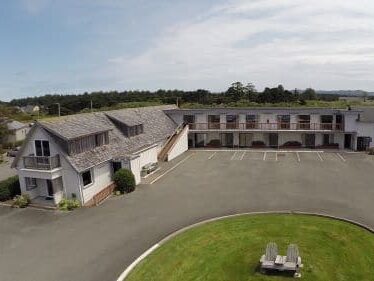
(230, 249)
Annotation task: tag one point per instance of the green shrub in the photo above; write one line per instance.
(21, 201)
(68, 204)
(4, 194)
(9, 188)
(371, 151)
(125, 180)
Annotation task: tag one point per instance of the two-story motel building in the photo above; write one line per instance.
(76, 156)
(275, 127)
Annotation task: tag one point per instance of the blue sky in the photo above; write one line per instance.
(73, 46)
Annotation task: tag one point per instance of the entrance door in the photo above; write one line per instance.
(348, 141)
(273, 140)
(363, 143)
(116, 166)
(227, 139)
(50, 189)
(245, 140)
(310, 140)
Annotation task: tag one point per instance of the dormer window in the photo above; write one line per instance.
(134, 130)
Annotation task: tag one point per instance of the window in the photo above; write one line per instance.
(86, 178)
(251, 121)
(42, 148)
(189, 119)
(284, 121)
(232, 121)
(30, 183)
(326, 119)
(214, 121)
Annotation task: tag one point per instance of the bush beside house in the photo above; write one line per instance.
(125, 181)
(9, 188)
(21, 201)
(68, 204)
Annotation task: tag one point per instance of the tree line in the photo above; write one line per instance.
(236, 92)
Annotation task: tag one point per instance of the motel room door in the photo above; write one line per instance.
(227, 139)
(310, 140)
(273, 140)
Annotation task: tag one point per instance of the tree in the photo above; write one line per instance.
(309, 94)
(236, 91)
(3, 131)
(250, 92)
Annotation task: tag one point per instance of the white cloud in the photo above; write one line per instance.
(324, 44)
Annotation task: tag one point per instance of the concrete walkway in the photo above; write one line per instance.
(99, 243)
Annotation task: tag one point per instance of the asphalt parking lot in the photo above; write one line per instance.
(98, 243)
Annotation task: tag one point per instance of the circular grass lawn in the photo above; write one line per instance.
(230, 249)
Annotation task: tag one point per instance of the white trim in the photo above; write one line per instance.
(92, 174)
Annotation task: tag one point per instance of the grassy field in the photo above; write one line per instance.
(230, 249)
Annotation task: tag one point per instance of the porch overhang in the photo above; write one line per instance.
(41, 174)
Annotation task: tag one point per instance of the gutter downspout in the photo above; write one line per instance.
(80, 188)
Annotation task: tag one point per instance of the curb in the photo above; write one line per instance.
(128, 270)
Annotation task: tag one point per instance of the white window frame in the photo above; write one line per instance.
(30, 183)
(92, 178)
(41, 140)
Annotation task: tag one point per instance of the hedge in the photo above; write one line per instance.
(9, 188)
(125, 180)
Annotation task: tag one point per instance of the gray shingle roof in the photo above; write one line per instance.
(74, 126)
(157, 127)
(15, 125)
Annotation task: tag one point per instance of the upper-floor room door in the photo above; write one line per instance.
(42, 148)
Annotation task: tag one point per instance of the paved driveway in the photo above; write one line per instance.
(98, 243)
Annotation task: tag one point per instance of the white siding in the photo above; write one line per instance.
(136, 169)
(102, 177)
(366, 130)
(148, 156)
(180, 146)
(70, 177)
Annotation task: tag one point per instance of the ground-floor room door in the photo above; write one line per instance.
(50, 192)
(245, 140)
(348, 141)
(363, 143)
(310, 140)
(227, 139)
(273, 140)
(200, 140)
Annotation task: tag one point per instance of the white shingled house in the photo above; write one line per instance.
(17, 131)
(75, 156)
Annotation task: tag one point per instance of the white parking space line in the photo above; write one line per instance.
(233, 156)
(172, 168)
(211, 156)
(298, 157)
(341, 157)
(241, 157)
(264, 158)
(320, 157)
(276, 156)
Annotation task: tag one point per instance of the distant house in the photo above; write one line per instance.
(17, 131)
(75, 156)
(30, 109)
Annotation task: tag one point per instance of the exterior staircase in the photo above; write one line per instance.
(163, 155)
